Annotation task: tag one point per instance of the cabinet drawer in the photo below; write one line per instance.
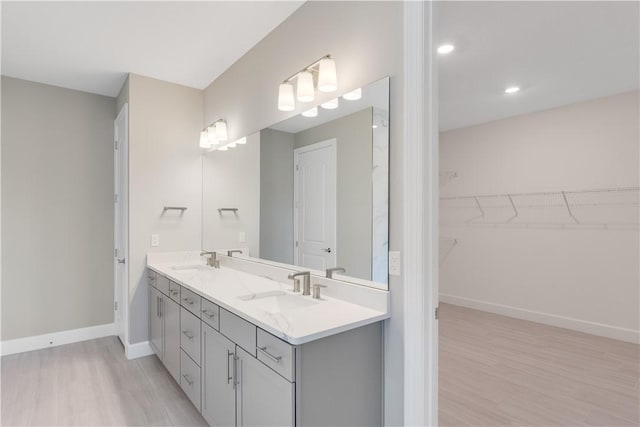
(174, 291)
(211, 314)
(190, 334)
(190, 378)
(151, 277)
(190, 300)
(238, 330)
(276, 354)
(162, 284)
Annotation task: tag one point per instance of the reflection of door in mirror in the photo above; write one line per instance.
(315, 205)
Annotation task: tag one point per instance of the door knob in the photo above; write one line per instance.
(327, 250)
(121, 261)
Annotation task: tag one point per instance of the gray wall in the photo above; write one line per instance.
(354, 137)
(57, 209)
(165, 169)
(366, 40)
(276, 195)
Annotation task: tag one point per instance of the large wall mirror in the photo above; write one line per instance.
(311, 191)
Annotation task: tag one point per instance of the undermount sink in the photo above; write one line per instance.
(277, 301)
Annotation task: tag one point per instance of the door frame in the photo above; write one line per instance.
(421, 194)
(121, 176)
(333, 143)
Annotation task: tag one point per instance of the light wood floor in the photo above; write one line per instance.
(499, 371)
(91, 384)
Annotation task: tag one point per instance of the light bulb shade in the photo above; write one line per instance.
(330, 105)
(327, 80)
(312, 112)
(286, 102)
(354, 95)
(306, 91)
(204, 139)
(221, 130)
(211, 136)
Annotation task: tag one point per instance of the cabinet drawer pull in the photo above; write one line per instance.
(187, 379)
(188, 301)
(208, 313)
(264, 351)
(187, 334)
(174, 292)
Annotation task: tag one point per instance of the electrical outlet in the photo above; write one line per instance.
(394, 263)
(155, 240)
(242, 237)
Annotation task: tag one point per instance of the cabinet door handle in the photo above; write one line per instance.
(229, 377)
(264, 351)
(187, 334)
(235, 371)
(188, 301)
(161, 306)
(209, 314)
(187, 379)
(158, 306)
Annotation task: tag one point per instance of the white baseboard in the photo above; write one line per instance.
(54, 339)
(600, 329)
(139, 349)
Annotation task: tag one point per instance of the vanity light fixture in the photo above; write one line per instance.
(213, 134)
(512, 89)
(204, 139)
(446, 49)
(325, 68)
(221, 130)
(312, 112)
(354, 95)
(330, 105)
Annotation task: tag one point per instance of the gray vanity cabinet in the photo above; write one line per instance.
(156, 325)
(218, 382)
(171, 317)
(263, 398)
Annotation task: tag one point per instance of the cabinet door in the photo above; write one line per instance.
(263, 398)
(171, 314)
(218, 389)
(155, 322)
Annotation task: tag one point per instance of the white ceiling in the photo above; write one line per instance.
(90, 46)
(558, 53)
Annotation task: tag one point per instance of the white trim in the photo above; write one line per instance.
(140, 349)
(420, 220)
(588, 327)
(124, 200)
(55, 339)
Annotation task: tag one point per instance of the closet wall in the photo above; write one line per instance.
(532, 260)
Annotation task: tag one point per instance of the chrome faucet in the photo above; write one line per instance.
(235, 251)
(211, 260)
(330, 271)
(306, 281)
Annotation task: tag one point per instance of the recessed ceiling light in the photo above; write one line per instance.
(446, 49)
(512, 89)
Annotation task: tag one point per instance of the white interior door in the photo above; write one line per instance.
(121, 231)
(315, 205)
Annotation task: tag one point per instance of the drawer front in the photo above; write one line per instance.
(211, 314)
(190, 334)
(162, 284)
(276, 354)
(151, 277)
(174, 291)
(190, 378)
(238, 330)
(190, 300)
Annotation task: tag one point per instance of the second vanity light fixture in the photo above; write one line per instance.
(325, 68)
(215, 137)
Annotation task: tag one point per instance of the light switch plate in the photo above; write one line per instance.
(394, 263)
(155, 240)
(242, 237)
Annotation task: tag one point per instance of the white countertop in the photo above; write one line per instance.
(297, 325)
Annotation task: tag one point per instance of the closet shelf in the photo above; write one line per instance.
(602, 208)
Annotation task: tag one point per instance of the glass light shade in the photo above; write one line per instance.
(211, 136)
(306, 91)
(221, 130)
(204, 139)
(242, 140)
(354, 95)
(327, 80)
(312, 112)
(286, 102)
(330, 105)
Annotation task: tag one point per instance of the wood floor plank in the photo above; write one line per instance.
(500, 371)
